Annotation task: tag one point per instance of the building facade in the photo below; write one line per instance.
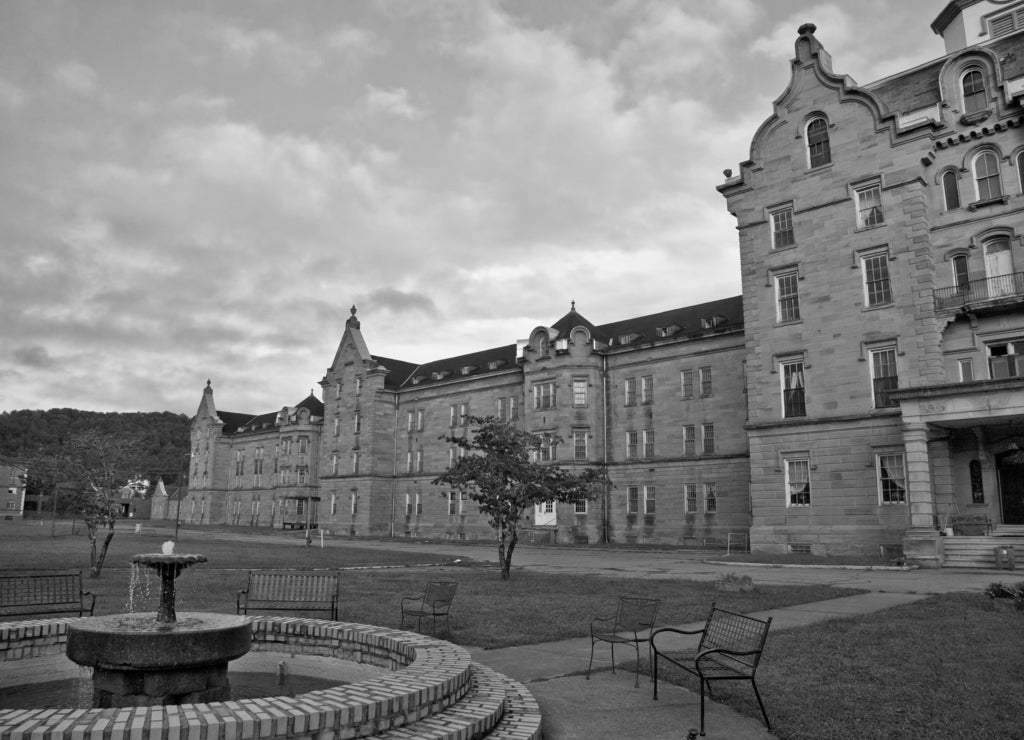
(880, 234)
(657, 399)
(864, 391)
(12, 494)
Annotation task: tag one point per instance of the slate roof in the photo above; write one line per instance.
(235, 421)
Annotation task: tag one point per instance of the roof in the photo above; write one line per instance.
(235, 421)
(486, 361)
(713, 316)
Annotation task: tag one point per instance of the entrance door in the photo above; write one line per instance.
(1011, 487)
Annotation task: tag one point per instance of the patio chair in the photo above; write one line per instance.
(434, 602)
(632, 623)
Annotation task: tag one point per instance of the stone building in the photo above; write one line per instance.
(880, 233)
(658, 399)
(864, 394)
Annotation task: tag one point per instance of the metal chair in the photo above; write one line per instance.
(633, 617)
(434, 602)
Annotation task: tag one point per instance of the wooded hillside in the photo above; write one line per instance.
(163, 437)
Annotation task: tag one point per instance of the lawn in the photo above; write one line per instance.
(945, 667)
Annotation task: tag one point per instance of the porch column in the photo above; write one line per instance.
(921, 540)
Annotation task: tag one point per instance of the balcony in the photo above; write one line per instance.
(1000, 287)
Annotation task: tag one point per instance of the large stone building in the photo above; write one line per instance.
(864, 392)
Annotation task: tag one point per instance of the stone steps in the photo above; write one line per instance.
(979, 552)
(496, 707)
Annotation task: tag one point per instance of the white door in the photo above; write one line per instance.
(999, 268)
(544, 514)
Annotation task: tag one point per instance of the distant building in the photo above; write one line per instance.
(880, 235)
(12, 493)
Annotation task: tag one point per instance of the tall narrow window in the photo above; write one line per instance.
(782, 228)
(787, 296)
(707, 432)
(961, 277)
(877, 290)
(884, 376)
(647, 389)
(892, 479)
(579, 444)
(357, 423)
(706, 388)
(869, 206)
(689, 439)
(648, 443)
(986, 176)
(690, 491)
(793, 401)
(798, 481)
(710, 498)
(974, 92)
(544, 396)
(966, 367)
(630, 391)
(818, 151)
(631, 445)
(649, 500)
(513, 408)
(453, 415)
(633, 500)
(502, 411)
(951, 190)
(579, 392)
(1020, 171)
(686, 381)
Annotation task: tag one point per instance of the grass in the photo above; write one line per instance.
(945, 667)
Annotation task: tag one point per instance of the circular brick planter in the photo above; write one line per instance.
(427, 676)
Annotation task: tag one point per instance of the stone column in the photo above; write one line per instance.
(921, 541)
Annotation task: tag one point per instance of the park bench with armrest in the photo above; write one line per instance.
(730, 649)
(288, 590)
(36, 594)
(435, 602)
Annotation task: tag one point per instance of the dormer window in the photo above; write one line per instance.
(819, 151)
(1003, 25)
(710, 322)
(972, 84)
(417, 379)
(543, 347)
(466, 369)
(440, 375)
(667, 331)
(628, 338)
(495, 364)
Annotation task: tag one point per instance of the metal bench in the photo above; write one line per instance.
(55, 592)
(631, 624)
(289, 590)
(730, 649)
(434, 602)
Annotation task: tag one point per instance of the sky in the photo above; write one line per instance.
(199, 190)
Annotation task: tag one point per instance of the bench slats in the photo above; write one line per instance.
(290, 591)
(44, 593)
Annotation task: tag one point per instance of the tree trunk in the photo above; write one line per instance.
(97, 559)
(506, 563)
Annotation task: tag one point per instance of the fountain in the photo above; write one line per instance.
(158, 659)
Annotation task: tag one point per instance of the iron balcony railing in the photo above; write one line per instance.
(977, 291)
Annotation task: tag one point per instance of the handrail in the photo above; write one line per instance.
(984, 289)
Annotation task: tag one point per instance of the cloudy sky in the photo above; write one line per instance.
(197, 189)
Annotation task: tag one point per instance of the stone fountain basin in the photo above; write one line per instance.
(127, 642)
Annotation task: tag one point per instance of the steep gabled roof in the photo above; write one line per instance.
(723, 314)
(474, 364)
(398, 371)
(233, 421)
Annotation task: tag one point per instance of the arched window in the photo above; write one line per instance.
(986, 176)
(1020, 171)
(973, 85)
(961, 278)
(542, 347)
(951, 190)
(818, 151)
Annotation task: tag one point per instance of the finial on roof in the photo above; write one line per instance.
(207, 382)
(574, 305)
(352, 320)
(807, 28)
(353, 309)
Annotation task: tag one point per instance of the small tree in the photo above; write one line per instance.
(505, 483)
(97, 466)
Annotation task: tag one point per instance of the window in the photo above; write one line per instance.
(630, 391)
(334, 464)
(579, 392)
(453, 503)
(1020, 171)
(453, 415)
(357, 423)
(705, 382)
(966, 368)
(546, 450)
(951, 190)
(580, 507)
(408, 461)
(513, 408)
(1006, 360)
(782, 228)
(869, 206)
(337, 427)
(648, 443)
(543, 347)
(892, 479)
(798, 481)
(686, 381)
(355, 463)
(502, 409)
(301, 473)
(359, 386)
(463, 413)
(690, 495)
(973, 86)
(579, 444)
(707, 432)
(884, 377)
(689, 439)
(303, 445)
(818, 151)
(1002, 25)
(793, 399)
(419, 461)
(986, 176)
(647, 389)
(787, 296)
(633, 500)
(961, 277)
(419, 505)
(544, 396)
(419, 421)
(877, 290)
(710, 498)
(649, 499)
(410, 420)
(631, 445)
